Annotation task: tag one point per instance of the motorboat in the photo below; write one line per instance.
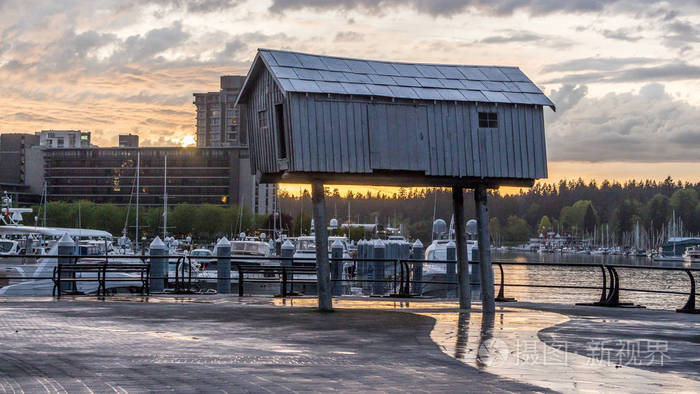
(692, 254)
(437, 272)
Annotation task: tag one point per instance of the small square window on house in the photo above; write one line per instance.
(262, 119)
(488, 120)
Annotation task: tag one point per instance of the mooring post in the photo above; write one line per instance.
(379, 287)
(418, 253)
(463, 288)
(66, 249)
(159, 265)
(286, 253)
(451, 269)
(369, 267)
(223, 266)
(318, 198)
(337, 267)
(488, 303)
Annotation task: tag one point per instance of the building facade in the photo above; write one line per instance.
(109, 175)
(218, 119)
(220, 123)
(64, 138)
(128, 141)
(13, 157)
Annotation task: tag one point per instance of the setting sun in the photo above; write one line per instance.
(188, 140)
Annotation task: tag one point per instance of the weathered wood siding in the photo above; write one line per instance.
(263, 141)
(355, 135)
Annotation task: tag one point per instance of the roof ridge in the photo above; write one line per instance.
(386, 61)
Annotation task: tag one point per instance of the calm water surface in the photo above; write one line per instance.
(590, 276)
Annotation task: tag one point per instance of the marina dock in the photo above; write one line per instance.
(256, 344)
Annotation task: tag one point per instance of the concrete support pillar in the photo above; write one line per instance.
(337, 268)
(488, 302)
(463, 288)
(451, 269)
(159, 265)
(418, 253)
(379, 287)
(223, 266)
(66, 247)
(318, 198)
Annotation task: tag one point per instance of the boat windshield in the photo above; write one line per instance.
(250, 248)
(437, 254)
(6, 246)
(309, 245)
(201, 253)
(306, 244)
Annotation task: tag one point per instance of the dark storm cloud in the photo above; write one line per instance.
(676, 71)
(648, 126)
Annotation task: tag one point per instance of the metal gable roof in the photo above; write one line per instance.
(306, 73)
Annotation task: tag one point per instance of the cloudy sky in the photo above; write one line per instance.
(624, 74)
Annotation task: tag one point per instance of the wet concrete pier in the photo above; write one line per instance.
(223, 343)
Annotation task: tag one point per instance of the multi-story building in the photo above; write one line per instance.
(195, 175)
(18, 164)
(218, 120)
(64, 138)
(221, 124)
(109, 175)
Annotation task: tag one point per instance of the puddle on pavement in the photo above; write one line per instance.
(506, 344)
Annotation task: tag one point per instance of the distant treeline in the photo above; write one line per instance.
(574, 207)
(569, 207)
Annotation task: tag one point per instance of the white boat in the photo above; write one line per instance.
(45, 266)
(437, 272)
(205, 269)
(692, 254)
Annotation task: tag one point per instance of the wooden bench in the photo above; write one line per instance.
(66, 273)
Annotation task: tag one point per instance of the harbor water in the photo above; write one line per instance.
(647, 279)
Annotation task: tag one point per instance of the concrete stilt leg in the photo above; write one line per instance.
(325, 302)
(463, 289)
(488, 302)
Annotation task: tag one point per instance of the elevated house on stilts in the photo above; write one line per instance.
(330, 120)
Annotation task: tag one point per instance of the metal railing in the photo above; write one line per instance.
(288, 271)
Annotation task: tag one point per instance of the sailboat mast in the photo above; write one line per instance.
(138, 186)
(165, 197)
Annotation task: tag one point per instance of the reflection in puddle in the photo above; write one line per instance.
(506, 344)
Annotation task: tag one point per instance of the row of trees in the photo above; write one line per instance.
(203, 222)
(573, 207)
